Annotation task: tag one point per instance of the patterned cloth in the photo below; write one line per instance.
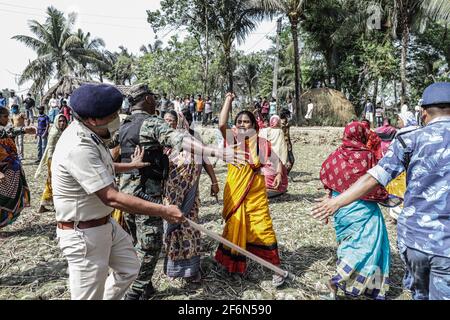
(363, 252)
(373, 141)
(425, 221)
(350, 162)
(14, 192)
(182, 242)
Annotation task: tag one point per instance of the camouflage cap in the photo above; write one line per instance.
(138, 91)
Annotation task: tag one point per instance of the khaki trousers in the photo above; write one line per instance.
(91, 253)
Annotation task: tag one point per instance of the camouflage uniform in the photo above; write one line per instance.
(147, 231)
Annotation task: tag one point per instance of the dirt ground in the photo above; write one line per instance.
(32, 267)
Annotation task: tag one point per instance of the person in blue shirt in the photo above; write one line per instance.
(43, 124)
(424, 224)
(2, 101)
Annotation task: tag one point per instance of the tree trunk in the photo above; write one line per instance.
(405, 43)
(229, 67)
(205, 87)
(375, 92)
(395, 94)
(297, 71)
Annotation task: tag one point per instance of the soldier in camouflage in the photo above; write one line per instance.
(145, 129)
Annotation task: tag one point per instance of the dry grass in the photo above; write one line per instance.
(31, 265)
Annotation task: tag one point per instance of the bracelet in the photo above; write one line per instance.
(215, 184)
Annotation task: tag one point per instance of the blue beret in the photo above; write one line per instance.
(437, 93)
(96, 100)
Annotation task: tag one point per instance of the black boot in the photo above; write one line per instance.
(145, 294)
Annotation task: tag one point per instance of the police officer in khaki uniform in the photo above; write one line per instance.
(85, 194)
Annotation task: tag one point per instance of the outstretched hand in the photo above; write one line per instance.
(2, 177)
(325, 208)
(138, 157)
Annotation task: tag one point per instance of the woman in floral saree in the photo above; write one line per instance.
(14, 191)
(182, 242)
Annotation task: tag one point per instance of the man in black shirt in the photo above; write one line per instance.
(29, 104)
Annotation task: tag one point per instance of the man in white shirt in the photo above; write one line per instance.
(85, 194)
(13, 100)
(308, 115)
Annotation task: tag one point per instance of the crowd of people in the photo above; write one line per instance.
(123, 170)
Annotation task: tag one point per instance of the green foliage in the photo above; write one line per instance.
(59, 51)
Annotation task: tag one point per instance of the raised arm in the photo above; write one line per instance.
(224, 114)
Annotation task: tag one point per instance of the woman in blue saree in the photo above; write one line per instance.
(363, 245)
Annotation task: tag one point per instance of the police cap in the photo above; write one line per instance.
(96, 100)
(436, 94)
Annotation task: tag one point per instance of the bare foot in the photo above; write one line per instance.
(195, 279)
(332, 288)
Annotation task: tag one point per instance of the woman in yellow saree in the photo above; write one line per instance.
(246, 206)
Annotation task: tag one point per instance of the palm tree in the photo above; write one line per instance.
(92, 59)
(151, 48)
(230, 20)
(59, 51)
(248, 74)
(294, 10)
(124, 65)
(411, 13)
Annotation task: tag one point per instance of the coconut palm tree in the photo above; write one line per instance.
(247, 75)
(92, 48)
(294, 10)
(230, 20)
(151, 48)
(412, 13)
(59, 51)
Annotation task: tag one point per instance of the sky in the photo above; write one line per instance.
(116, 22)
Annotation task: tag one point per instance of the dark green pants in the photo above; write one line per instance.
(147, 235)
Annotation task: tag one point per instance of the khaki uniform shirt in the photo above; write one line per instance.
(81, 166)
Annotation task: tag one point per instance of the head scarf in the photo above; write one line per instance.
(373, 141)
(275, 121)
(53, 137)
(350, 162)
(408, 118)
(182, 123)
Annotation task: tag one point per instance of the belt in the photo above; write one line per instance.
(83, 224)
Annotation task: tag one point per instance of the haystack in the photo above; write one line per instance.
(331, 108)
